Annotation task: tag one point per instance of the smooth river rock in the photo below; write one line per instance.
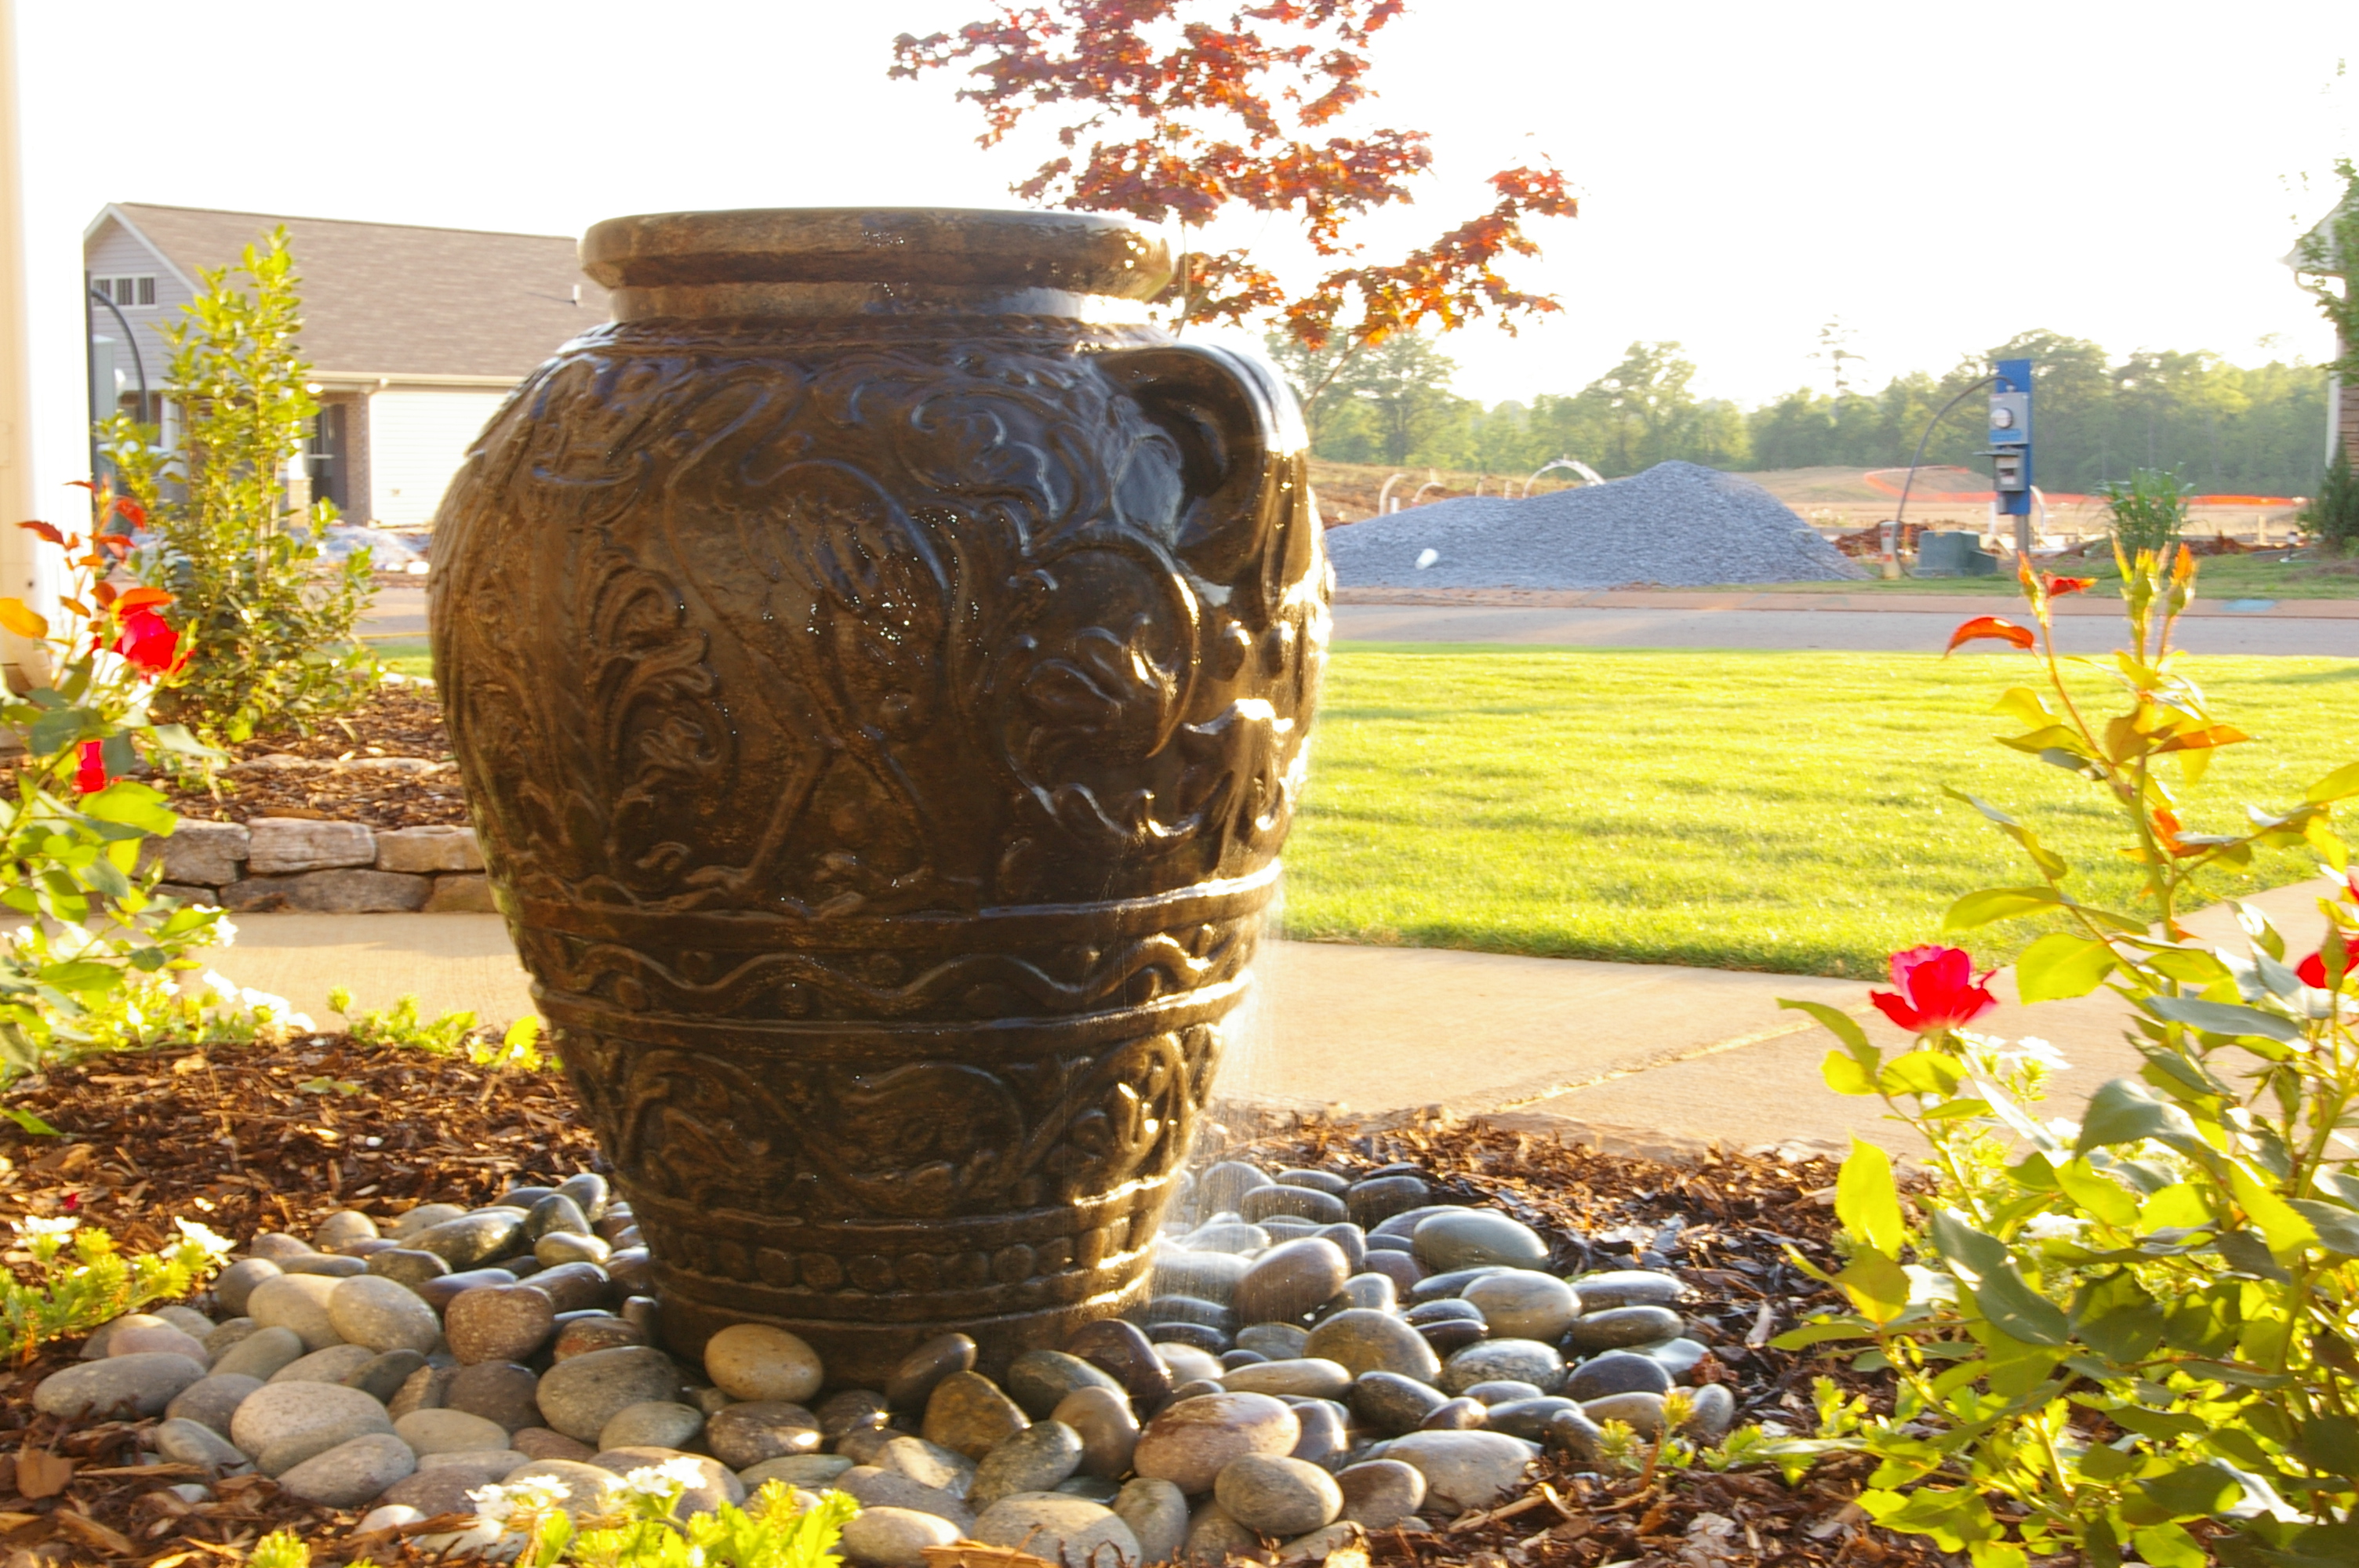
(1279, 1497)
(1062, 1528)
(141, 1385)
(300, 1302)
(968, 1413)
(1380, 1493)
(1291, 1280)
(1190, 1441)
(1037, 1459)
(1524, 1304)
(757, 1361)
(743, 1435)
(578, 1397)
(1362, 1340)
(352, 1473)
(1472, 1238)
(382, 1313)
(319, 1414)
(894, 1538)
(1523, 1360)
(260, 1354)
(1619, 1326)
(499, 1322)
(1464, 1469)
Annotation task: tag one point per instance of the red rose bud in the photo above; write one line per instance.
(91, 777)
(1939, 990)
(148, 641)
(2058, 587)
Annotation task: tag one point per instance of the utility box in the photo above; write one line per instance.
(1953, 554)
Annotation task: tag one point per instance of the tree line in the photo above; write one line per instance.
(2225, 428)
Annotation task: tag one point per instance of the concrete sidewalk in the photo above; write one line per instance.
(1638, 1057)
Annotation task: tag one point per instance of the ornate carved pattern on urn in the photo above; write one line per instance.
(880, 665)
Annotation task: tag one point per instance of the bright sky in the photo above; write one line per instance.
(1939, 177)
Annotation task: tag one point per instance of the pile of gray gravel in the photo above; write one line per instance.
(1675, 525)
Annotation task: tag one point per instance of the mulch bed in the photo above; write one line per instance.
(276, 1139)
(398, 721)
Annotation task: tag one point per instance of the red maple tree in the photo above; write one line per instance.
(1175, 109)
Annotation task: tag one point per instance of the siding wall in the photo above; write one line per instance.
(114, 252)
(416, 439)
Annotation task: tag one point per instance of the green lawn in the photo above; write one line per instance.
(1738, 810)
(2220, 576)
(405, 655)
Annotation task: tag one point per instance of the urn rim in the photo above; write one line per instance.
(1071, 252)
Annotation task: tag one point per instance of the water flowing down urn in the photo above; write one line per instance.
(880, 665)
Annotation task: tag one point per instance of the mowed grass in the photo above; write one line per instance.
(1774, 811)
(2219, 577)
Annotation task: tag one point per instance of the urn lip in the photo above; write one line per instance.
(1071, 252)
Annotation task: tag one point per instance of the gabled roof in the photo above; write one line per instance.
(392, 300)
(2323, 238)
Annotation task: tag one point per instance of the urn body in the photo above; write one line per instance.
(880, 673)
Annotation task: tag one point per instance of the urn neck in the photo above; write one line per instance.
(822, 301)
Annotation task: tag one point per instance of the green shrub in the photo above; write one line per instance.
(2149, 512)
(2135, 1332)
(95, 1284)
(271, 621)
(2333, 514)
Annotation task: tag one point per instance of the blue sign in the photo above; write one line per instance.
(2010, 436)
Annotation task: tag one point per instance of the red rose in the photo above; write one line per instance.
(2312, 970)
(1939, 990)
(148, 641)
(92, 775)
(2058, 587)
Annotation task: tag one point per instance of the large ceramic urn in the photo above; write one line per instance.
(880, 665)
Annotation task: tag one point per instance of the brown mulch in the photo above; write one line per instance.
(276, 1139)
(398, 721)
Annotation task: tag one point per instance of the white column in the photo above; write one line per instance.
(19, 573)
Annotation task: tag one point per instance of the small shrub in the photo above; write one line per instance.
(774, 1530)
(2149, 512)
(2138, 1332)
(96, 1284)
(2333, 516)
(273, 623)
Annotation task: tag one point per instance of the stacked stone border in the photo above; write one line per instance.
(323, 867)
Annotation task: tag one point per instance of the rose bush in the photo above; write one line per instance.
(95, 934)
(2136, 1333)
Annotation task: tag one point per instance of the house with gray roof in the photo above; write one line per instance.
(414, 334)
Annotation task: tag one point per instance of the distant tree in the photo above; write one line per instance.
(1189, 109)
(1404, 383)
(2328, 257)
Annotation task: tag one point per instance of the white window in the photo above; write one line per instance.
(129, 290)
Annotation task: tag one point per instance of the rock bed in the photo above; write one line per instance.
(1333, 1356)
(1675, 525)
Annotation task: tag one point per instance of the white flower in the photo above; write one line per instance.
(2032, 1048)
(263, 1002)
(301, 1023)
(70, 941)
(2064, 1130)
(495, 1506)
(225, 932)
(206, 1237)
(221, 986)
(2055, 1228)
(43, 1225)
(661, 1480)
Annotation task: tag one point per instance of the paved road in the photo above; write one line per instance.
(1856, 630)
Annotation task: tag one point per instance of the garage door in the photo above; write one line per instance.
(417, 441)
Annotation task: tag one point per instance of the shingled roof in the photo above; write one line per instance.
(392, 300)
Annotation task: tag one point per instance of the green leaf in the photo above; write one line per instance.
(54, 731)
(1998, 904)
(2169, 1546)
(2247, 1253)
(2099, 1194)
(2337, 1227)
(1984, 1265)
(2192, 1491)
(2124, 1110)
(2115, 1317)
(1843, 1026)
(1868, 1203)
(2331, 1443)
(28, 1122)
(1878, 1285)
(1845, 1075)
(1922, 1072)
(2287, 1232)
(134, 804)
(2223, 1018)
(2062, 966)
(2340, 784)
(175, 738)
